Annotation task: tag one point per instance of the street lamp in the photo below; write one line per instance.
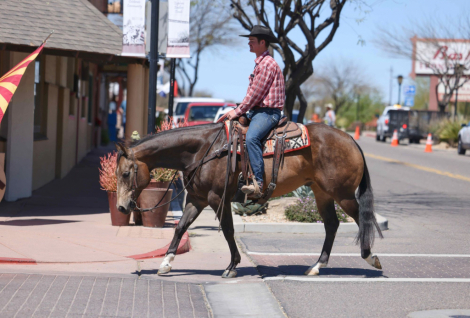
(400, 80)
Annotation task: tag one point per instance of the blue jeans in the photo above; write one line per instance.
(262, 121)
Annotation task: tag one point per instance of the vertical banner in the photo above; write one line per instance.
(133, 38)
(178, 29)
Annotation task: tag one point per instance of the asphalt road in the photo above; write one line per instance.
(426, 198)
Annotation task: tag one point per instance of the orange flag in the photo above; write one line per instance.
(10, 81)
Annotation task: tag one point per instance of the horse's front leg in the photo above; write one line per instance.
(229, 233)
(191, 212)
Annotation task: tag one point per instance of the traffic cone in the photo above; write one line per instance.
(357, 134)
(428, 144)
(395, 139)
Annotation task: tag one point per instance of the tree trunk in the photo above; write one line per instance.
(303, 105)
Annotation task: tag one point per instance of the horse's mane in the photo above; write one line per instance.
(134, 143)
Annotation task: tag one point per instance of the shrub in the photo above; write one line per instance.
(448, 130)
(108, 179)
(305, 210)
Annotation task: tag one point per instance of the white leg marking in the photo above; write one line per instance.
(315, 269)
(165, 267)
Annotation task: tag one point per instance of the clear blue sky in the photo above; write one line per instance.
(225, 73)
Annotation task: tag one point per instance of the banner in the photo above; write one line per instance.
(178, 29)
(133, 29)
(10, 81)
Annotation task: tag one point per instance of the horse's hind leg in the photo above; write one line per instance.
(326, 208)
(191, 212)
(351, 207)
(227, 227)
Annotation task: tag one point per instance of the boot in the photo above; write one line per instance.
(253, 189)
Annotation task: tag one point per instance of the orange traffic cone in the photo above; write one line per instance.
(357, 134)
(395, 139)
(428, 144)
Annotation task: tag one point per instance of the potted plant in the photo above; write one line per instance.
(108, 182)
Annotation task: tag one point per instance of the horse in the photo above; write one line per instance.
(333, 166)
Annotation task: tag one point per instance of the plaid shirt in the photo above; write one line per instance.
(266, 87)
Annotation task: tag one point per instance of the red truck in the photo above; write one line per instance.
(203, 113)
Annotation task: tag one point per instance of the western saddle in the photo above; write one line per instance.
(237, 136)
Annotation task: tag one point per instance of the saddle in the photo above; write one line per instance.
(283, 131)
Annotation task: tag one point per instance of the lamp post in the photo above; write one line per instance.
(153, 61)
(458, 72)
(400, 80)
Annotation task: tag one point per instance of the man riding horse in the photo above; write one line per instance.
(263, 103)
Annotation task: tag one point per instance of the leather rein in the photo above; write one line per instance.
(196, 165)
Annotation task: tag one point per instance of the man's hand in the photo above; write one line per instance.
(232, 114)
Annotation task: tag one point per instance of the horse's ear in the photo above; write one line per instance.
(121, 147)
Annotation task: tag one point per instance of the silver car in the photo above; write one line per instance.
(464, 139)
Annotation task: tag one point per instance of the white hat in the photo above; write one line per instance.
(329, 105)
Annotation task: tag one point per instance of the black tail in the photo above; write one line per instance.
(367, 220)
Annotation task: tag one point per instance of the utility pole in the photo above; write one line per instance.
(172, 87)
(391, 85)
(153, 59)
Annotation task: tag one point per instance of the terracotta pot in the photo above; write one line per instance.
(117, 218)
(148, 199)
(154, 184)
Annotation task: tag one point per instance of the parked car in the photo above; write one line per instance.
(383, 122)
(464, 139)
(222, 111)
(180, 105)
(203, 113)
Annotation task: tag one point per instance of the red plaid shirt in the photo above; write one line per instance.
(267, 88)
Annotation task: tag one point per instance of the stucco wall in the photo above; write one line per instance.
(44, 151)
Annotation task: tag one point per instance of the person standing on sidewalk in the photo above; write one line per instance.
(330, 116)
(263, 103)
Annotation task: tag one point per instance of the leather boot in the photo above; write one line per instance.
(253, 189)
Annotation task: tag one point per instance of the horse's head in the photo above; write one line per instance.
(132, 177)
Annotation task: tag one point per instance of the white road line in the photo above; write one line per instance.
(370, 280)
(359, 255)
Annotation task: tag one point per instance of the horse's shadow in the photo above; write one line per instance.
(241, 272)
(272, 271)
(296, 270)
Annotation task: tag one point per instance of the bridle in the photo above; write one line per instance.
(195, 165)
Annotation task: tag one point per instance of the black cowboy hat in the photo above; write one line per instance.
(262, 32)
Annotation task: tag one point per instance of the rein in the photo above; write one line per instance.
(197, 165)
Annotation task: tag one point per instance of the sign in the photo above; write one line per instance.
(442, 55)
(178, 29)
(409, 100)
(410, 90)
(464, 91)
(133, 38)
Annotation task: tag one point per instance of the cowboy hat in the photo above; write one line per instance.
(263, 32)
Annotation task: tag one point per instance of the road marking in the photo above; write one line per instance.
(370, 280)
(427, 169)
(358, 255)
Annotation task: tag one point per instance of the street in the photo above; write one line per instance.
(428, 214)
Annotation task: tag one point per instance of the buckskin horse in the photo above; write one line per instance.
(333, 166)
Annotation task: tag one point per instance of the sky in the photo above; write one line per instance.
(224, 72)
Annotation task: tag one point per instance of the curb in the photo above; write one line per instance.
(242, 227)
(183, 247)
(19, 261)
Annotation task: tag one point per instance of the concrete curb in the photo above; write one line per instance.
(184, 247)
(242, 227)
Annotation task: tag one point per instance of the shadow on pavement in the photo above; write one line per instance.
(34, 222)
(270, 271)
(241, 271)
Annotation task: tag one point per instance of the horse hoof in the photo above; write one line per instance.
(377, 263)
(312, 271)
(229, 274)
(164, 269)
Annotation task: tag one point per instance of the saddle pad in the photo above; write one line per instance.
(292, 144)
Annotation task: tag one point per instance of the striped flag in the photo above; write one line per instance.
(10, 81)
